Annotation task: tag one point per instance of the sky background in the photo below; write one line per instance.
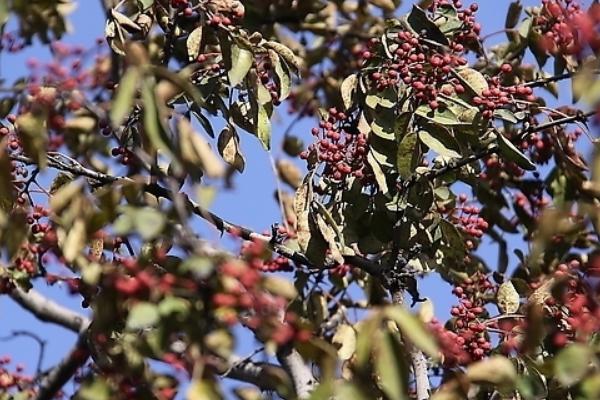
(251, 203)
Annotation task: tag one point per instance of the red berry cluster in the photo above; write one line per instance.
(11, 42)
(470, 28)
(467, 319)
(419, 66)
(14, 379)
(241, 290)
(343, 151)
(497, 171)
(566, 28)
(451, 344)
(574, 313)
(466, 218)
(225, 12)
(259, 257)
(496, 96)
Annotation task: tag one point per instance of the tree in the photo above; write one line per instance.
(426, 143)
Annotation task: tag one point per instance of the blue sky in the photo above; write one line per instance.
(251, 204)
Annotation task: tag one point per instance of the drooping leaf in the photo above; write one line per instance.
(241, 61)
(121, 106)
(511, 153)
(405, 159)
(263, 127)
(75, 240)
(391, 368)
(440, 141)
(152, 125)
(286, 53)
(414, 330)
(421, 23)
(380, 176)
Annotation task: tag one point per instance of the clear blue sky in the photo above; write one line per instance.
(251, 204)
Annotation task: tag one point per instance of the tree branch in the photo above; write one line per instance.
(417, 358)
(59, 162)
(302, 377)
(47, 310)
(62, 372)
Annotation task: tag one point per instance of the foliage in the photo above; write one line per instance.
(427, 143)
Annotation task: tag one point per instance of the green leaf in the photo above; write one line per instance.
(506, 115)
(452, 238)
(145, 4)
(414, 330)
(572, 363)
(263, 127)
(440, 141)
(142, 315)
(149, 222)
(444, 117)
(348, 391)
(121, 106)
(203, 390)
(33, 133)
(241, 61)
(391, 368)
(152, 125)
(405, 158)
(379, 174)
(473, 80)
(419, 21)
(511, 153)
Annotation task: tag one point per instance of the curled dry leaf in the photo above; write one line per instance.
(193, 43)
(229, 148)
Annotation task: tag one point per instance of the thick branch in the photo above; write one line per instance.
(417, 358)
(265, 376)
(48, 311)
(62, 372)
(294, 364)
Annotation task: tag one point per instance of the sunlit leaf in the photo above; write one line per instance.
(241, 61)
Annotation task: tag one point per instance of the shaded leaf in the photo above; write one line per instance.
(389, 363)
(414, 330)
(419, 21)
(440, 141)
(511, 153)
(572, 363)
(197, 152)
(497, 370)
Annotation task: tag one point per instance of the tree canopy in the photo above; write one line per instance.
(432, 154)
